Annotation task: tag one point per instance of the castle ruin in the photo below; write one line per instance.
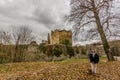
(58, 36)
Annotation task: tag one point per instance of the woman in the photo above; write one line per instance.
(94, 59)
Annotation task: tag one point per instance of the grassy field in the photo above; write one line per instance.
(72, 69)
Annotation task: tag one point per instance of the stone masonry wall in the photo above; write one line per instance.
(58, 36)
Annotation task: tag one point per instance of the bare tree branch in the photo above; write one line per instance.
(93, 13)
(5, 37)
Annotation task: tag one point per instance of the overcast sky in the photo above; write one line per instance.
(41, 15)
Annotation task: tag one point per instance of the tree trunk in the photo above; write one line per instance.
(15, 59)
(102, 35)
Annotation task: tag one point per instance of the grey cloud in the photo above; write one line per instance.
(17, 9)
(50, 13)
(43, 16)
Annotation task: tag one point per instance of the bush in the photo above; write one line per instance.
(65, 42)
(30, 57)
(77, 51)
(57, 52)
(60, 58)
(70, 51)
(83, 51)
(4, 58)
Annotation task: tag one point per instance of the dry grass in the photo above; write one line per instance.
(73, 69)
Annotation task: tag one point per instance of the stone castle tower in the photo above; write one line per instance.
(58, 36)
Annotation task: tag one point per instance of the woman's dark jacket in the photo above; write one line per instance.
(94, 59)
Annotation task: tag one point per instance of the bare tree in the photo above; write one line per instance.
(22, 35)
(5, 37)
(5, 40)
(1, 36)
(97, 18)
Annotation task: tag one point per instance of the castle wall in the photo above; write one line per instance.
(66, 35)
(54, 37)
(58, 36)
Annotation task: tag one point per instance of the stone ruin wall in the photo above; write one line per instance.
(58, 36)
(66, 35)
(54, 38)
